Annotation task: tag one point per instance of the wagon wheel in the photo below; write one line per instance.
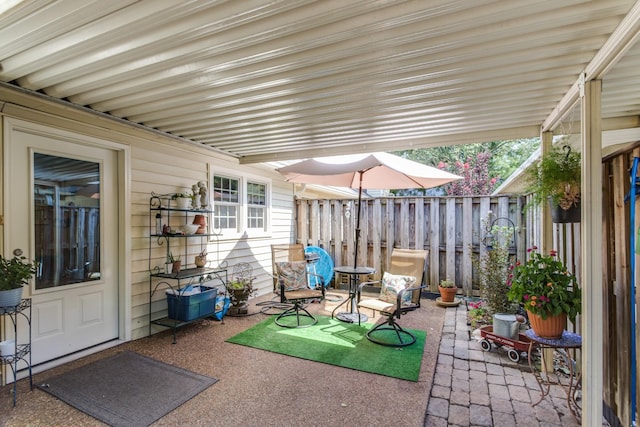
(485, 344)
(514, 355)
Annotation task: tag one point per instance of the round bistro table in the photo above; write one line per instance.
(354, 273)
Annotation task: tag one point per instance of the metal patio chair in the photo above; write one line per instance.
(399, 294)
(294, 289)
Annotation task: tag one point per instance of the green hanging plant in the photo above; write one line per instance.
(556, 177)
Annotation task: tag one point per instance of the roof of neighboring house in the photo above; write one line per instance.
(612, 141)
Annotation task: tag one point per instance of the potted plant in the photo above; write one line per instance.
(240, 290)
(201, 259)
(14, 274)
(548, 292)
(175, 262)
(183, 200)
(448, 290)
(556, 179)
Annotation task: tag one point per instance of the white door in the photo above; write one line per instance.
(62, 212)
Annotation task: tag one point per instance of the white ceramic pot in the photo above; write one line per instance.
(7, 348)
(11, 297)
(183, 203)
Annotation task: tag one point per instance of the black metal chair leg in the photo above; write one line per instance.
(298, 311)
(391, 326)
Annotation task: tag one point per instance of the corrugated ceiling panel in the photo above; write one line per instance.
(264, 78)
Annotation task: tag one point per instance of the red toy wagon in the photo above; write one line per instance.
(517, 345)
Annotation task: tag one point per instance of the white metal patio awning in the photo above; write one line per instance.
(276, 80)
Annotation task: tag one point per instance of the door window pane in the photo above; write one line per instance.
(67, 220)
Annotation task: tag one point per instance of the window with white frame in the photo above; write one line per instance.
(226, 202)
(240, 204)
(256, 205)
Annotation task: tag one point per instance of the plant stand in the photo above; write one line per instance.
(241, 273)
(21, 351)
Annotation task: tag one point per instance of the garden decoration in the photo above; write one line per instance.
(548, 292)
(495, 271)
(493, 264)
(240, 288)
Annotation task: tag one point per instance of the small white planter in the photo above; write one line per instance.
(183, 203)
(10, 298)
(7, 348)
(168, 266)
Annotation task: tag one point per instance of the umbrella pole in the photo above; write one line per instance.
(355, 258)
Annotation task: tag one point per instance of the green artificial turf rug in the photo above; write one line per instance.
(337, 343)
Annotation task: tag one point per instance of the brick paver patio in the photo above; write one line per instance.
(473, 387)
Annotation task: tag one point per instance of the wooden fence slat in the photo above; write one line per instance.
(466, 266)
(450, 239)
(405, 222)
(419, 224)
(389, 225)
(434, 248)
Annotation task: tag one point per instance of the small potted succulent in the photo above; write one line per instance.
(176, 263)
(448, 290)
(201, 259)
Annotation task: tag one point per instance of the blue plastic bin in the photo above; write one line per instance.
(190, 307)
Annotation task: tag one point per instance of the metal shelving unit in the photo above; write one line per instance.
(22, 351)
(159, 279)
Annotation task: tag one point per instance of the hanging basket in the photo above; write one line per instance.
(563, 216)
(549, 328)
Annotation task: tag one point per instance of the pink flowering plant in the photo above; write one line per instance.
(544, 286)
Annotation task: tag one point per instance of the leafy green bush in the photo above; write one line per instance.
(493, 270)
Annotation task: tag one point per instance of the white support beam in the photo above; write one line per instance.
(546, 144)
(591, 254)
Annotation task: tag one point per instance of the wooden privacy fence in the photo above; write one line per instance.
(451, 228)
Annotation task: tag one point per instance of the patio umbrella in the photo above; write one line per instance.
(366, 171)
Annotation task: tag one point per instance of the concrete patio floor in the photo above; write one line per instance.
(459, 384)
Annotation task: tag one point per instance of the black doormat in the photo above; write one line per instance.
(127, 389)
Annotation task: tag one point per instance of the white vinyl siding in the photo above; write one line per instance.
(163, 165)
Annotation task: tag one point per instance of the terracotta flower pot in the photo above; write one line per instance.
(550, 328)
(176, 267)
(202, 222)
(448, 294)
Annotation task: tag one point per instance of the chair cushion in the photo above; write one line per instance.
(392, 284)
(377, 305)
(294, 274)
